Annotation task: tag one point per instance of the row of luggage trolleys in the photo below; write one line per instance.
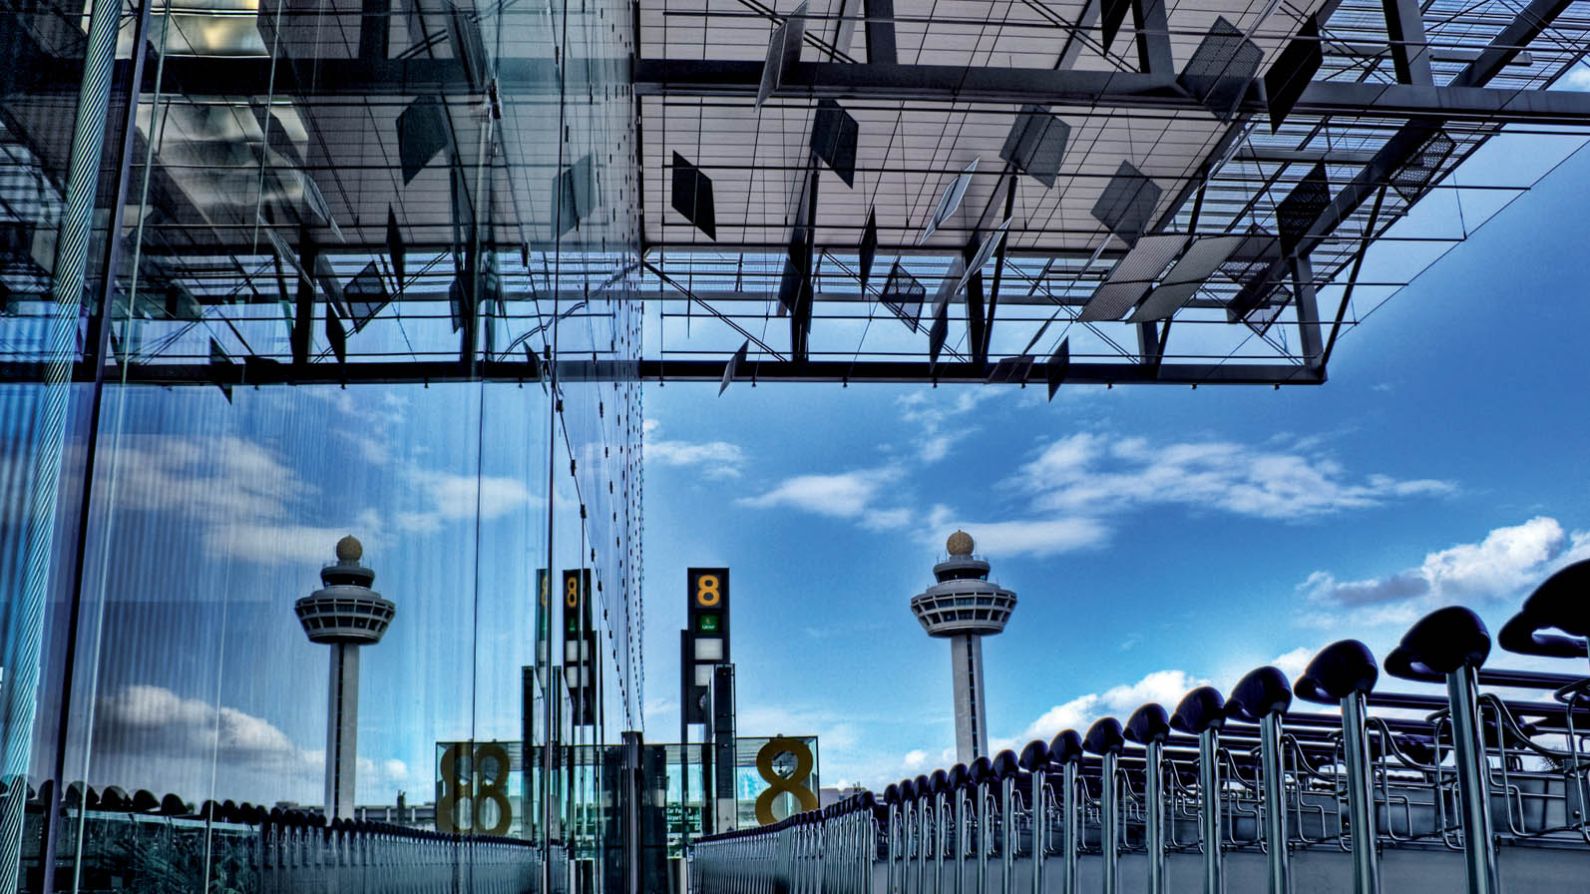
(1483, 788)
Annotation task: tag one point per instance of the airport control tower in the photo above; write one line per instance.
(344, 614)
(964, 607)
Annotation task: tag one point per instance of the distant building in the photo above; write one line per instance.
(829, 795)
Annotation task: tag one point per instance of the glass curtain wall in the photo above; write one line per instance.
(286, 464)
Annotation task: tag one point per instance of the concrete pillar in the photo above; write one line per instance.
(966, 667)
(342, 731)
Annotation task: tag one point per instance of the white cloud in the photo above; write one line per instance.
(1069, 493)
(148, 736)
(155, 738)
(1295, 662)
(1164, 686)
(938, 416)
(1094, 474)
(887, 519)
(915, 759)
(1022, 537)
(453, 497)
(844, 495)
(248, 504)
(1503, 565)
(716, 459)
(241, 497)
(1577, 78)
(207, 477)
(269, 543)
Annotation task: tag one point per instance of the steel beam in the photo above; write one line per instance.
(302, 336)
(1090, 89)
(1412, 136)
(1510, 41)
(1153, 37)
(880, 32)
(261, 373)
(522, 78)
(1410, 51)
(1462, 100)
(1079, 35)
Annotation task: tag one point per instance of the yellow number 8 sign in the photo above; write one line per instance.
(709, 591)
(794, 784)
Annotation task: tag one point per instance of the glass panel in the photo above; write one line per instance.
(354, 234)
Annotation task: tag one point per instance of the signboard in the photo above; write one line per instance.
(775, 778)
(543, 618)
(579, 646)
(707, 634)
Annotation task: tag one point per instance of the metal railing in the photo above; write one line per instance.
(1414, 791)
(223, 850)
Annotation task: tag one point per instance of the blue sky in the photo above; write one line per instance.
(1156, 537)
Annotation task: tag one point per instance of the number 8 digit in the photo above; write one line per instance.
(707, 590)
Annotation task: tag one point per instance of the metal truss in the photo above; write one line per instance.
(1351, 113)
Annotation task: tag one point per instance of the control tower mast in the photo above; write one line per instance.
(344, 614)
(963, 607)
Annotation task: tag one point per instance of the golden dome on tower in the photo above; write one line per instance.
(959, 544)
(349, 549)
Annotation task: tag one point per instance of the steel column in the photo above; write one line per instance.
(1109, 822)
(1278, 857)
(1154, 834)
(1209, 816)
(1473, 772)
(1071, 815)
(1360, 795)
(1040, 828)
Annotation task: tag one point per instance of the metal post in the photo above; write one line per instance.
(1040, 829)
(1007, 838)
(1109, 837)
(1275, 835)
(1070, 813)
(1209, 817)
(982, 837)
(922, 844)
(1153, 792)
(960, 840)
(866, 848)
(892, 876)
(634, 789)
(940, 840)
(1360, 796)
(910, 848)
(1473, 784)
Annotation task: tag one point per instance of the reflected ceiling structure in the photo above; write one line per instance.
(1010, 191)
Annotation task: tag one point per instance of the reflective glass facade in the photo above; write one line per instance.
(350, 212)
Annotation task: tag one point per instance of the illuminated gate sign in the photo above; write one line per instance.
(707, 605)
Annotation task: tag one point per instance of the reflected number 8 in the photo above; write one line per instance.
(708, 590)
(477, 788)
